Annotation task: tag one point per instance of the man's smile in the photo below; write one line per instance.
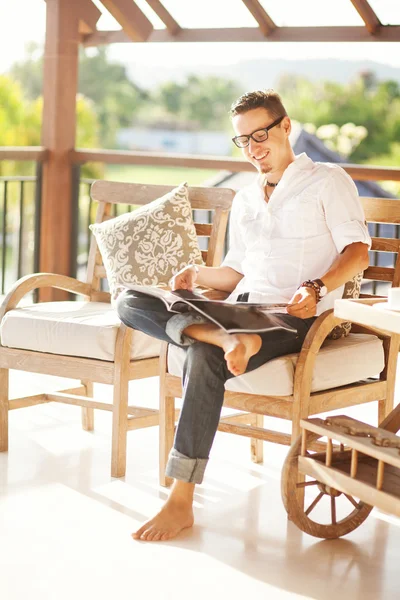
(261, 157)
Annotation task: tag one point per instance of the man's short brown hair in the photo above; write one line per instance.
(268, 99)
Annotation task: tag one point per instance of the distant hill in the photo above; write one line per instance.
(262, 73)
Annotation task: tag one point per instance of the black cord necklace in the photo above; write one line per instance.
(273, 185)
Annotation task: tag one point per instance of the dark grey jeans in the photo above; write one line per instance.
(204, 374)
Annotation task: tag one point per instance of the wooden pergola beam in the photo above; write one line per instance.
(367, 14)
(89, 14)
(133, 21)
(263, 19)
(386, 33)
(172, 26)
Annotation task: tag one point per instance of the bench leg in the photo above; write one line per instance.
(257, 446)
(119, 425)
(3, 410)
(385, 407)
(87, 412)
(166, 432)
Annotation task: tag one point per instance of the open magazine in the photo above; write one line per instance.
(241, 317)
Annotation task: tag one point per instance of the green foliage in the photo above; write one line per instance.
(29, 71)
(391, 159)
(115, 97)
(363, 102)
(202, 101)
(20, 125)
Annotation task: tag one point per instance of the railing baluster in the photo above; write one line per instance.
(38, 212)
(21, 229)
(376, 234)
(89, 220)
(4, 238)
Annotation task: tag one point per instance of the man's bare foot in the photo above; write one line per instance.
(172, 518)
(239, 349)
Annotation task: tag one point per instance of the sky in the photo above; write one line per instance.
(15, 32)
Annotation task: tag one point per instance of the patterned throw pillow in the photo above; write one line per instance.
(351, 290)
(149, 245)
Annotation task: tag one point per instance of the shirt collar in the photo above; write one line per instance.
(301, 163)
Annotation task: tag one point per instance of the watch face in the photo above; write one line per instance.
(323, 291)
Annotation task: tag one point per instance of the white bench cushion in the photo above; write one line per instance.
(339, 362)
(87, 329)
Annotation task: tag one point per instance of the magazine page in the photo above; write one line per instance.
(169, 297)
(271, 307)
(243, 318)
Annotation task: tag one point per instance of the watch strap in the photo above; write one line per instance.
(316, 285)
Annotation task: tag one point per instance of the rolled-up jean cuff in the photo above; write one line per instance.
(178, 323)
(189, 470)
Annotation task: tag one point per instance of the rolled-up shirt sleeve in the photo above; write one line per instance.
(343, 210)
(236, 252)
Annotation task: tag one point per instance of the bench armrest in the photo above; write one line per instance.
(314, 339)
(39, 280)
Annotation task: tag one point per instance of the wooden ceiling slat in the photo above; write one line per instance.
(387, 33)
(263, 19)
(89, 14)
(161, 12)
(132, 20)
(367, 14)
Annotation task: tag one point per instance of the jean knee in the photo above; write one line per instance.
(202, 356)
(128, 301)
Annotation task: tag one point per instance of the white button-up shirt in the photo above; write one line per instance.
(312, 215)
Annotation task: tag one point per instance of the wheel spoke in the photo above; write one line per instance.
(351, 499)
(306, 483)
(314, 504)
(333, 510)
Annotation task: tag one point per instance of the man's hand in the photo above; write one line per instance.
(185, 279)
(303, 304)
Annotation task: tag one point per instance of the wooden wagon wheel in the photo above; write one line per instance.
(299, 510)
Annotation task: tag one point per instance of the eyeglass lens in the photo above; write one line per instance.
(258, 136)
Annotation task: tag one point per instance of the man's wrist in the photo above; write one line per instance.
(196, 270)
(318, 286)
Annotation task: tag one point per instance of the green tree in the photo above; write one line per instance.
(115, 97)
(20, 125)
(29, 71)
(204, 101)
(364, 101)
(391, 159)
(169, 95)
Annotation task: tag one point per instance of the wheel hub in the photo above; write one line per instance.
(328, 490)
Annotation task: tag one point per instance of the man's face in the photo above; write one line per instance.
(267, 156)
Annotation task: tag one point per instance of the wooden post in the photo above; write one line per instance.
(58, 136)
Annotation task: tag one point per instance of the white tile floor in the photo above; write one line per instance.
(65, 524)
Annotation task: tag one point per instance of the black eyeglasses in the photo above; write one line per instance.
(260, 135)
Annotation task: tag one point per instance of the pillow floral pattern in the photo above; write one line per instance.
(149, 245)
(351, 290)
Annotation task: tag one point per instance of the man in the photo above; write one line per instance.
(298, 234)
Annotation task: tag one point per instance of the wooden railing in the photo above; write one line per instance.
(34, 153)
(20, 201)
(118, 157)
(80, 156)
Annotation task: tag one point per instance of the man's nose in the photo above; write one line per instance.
(253, 145)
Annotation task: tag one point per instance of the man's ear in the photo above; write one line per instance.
(287, 126)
